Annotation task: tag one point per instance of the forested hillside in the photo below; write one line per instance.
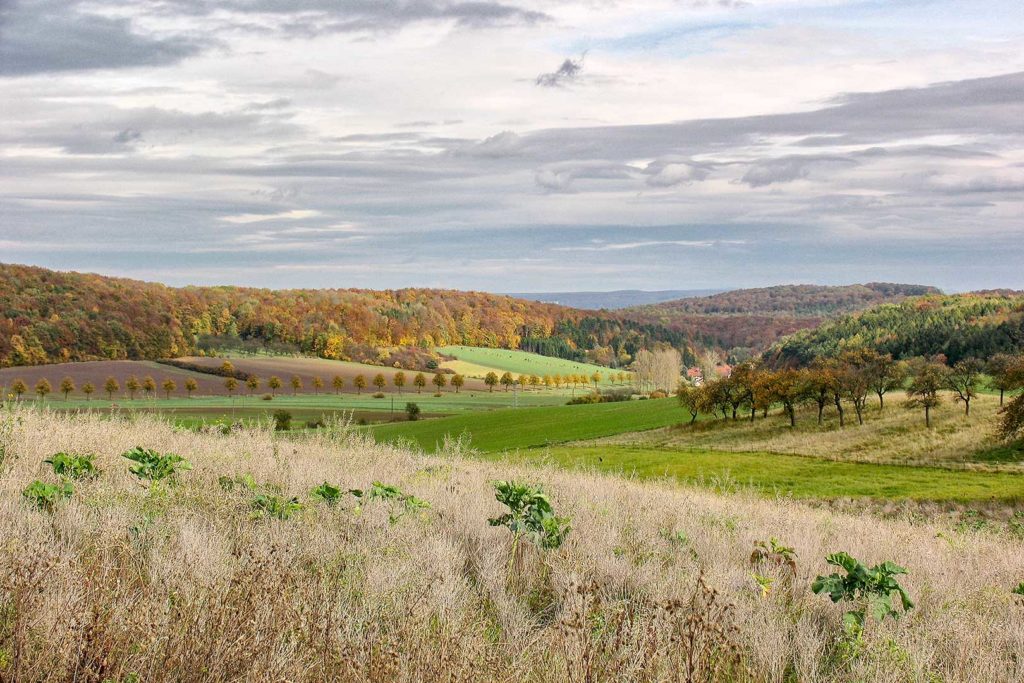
(48, 316)
(977, 325)
(755, 318)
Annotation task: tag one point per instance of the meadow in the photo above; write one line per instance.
(476, 362)
(200, 578)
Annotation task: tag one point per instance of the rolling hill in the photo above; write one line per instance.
(977, 324)
(48, 316)
(756, 318)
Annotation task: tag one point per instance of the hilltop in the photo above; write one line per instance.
(756, 318)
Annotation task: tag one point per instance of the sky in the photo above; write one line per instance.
(515, 145)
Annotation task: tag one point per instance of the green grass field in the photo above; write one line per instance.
(477, 362)
(533, 427)
(802, 477)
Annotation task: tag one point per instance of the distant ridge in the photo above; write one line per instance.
(613, 300)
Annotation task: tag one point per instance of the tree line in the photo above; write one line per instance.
(847, 381)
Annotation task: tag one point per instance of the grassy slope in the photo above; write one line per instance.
(477, 361)
(526, 428)
(896, 435)
(202, 590)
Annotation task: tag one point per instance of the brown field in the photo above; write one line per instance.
(97, 372)
(185, 583)
(308, 368)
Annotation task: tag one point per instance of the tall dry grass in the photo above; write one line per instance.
(122, 583)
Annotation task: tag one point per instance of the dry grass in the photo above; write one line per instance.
(182, 584)
(896, 435)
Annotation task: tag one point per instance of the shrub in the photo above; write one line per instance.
(148, 464)
(266, 397)
(73, 466)
(585, 399)
(268, 505)
(872, 587)
(282, 420)
(379, 394)
(412, 410)
(46, 496)
(530, 514)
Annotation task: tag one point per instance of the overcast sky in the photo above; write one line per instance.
(515, 145)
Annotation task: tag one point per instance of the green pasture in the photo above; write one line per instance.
(801, 477)
(534, 427)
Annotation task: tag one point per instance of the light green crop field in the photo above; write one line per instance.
(533, 427)
(477, 362)
(801, 477)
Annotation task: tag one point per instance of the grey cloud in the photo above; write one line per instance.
(560, 177)
(568, 72)
(788, 169)
(670, 172)
(269, 105)
(317, 17)
(41, 36)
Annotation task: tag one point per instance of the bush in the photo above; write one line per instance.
(282, 420)
(586, 399)
(266, 397)
(412, 410)
(658, 394)
(379, 394)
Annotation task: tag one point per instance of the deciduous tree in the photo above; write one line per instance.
(67, 385)
(274, 383)
(169, 386)
(419, 381)
(88, 389)
(190, 386)
(507, 380)
(132, 384)
(491, 380)
(111, 387)
(457, 382)
(252, 384)
(360, 383)
(927, 379)
(380, 381)
(43, 388)
(439, 381)
(230, 383)
(296, 383)
(338, 382)
(148, 386)
(399, 381)
(963, 379)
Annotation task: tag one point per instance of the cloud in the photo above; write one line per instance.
(44, 36)
(644, 244)
(246, 218)
(568, 72)
(560, 177)
(668, 173)
(788, 169)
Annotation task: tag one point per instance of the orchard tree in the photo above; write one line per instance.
(596, 379)
(535, 381)
(338, 382)
(788, 387)
(111, 387)
(963, 379)
(296, 383)
(999, 369)
(360, 383)
(380, 381)
(148, 386)
(190, 386)
(169, 386)
(19, 388)
(855, 376)
(522, 381)
(318, 384)
(43, 388)
(132, 384)
(507, 380)
(439, 381)
(549, 381)
(457, 382)
(419, 381)
(88, 389)
(399, 381)
(491, 380)
(230, 383)
(929, 377)
(227, 369)
(884, 374)
(557, 379)
(67, 385)
(689, 398)
(252, 384)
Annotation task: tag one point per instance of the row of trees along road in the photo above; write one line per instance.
(850, 378)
